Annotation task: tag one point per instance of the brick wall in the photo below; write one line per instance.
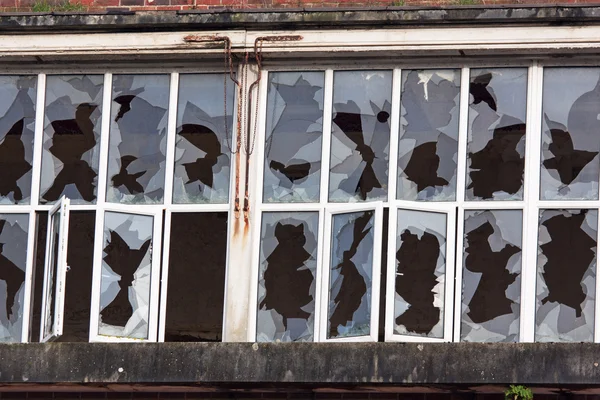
(47, 6)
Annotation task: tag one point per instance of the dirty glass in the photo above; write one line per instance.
(71, 141)
(138, 132)
(203, 141)
(496, 134)
(293, 137)
(13, 263)
(420, 274)
(570, 141)
(126, 273)
(566, 275)
(53, 265)
(428, 145)
(350, 275)
(287, 276)
(17, 125)
(360, 135)
(491, 282)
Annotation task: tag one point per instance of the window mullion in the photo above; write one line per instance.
(38, 139)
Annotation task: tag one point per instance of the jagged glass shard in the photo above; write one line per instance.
(287, 277)
(71, 141)
(350, 275)
(566, 275)
(126, 273)
(570, 142)
(202, 146)
(293, 137)
(360, 135)
(420, 274)
(428, 145)
(496, 134)
(17, 125)
(491, 283)
(138, 132)
(13, 263)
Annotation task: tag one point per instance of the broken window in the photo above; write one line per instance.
(496, 134)
(428, 137)
(491, 276)
(196, 276)
(352, 276)
(136, 155)
(15, 267)
(203, 143)
(71, 140)
(360, 136)
(570, 142)
(17, 125)
(287, 276)
(126, 281)
(566, 275)
(294, 129)
(55, 269)
(419, 276)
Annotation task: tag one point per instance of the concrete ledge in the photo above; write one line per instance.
(116, 21)
(339, 364)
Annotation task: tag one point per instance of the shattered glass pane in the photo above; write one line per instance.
(566, 276)
(287, 276)
(71, 142)
(360, 137)
(293, 137)
(138, 139)
(570, 142)
(13, 263)
(350, 275)
(491, 286)
(496, 134)
(428, 145)
(202, 146)
(53, 264)
(420, 274)
(17, 125)
(126, 273)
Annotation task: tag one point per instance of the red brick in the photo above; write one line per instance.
(8, 3)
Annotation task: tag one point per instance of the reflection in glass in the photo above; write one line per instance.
(202, 146)
(53, 266)
(496, 134)
(360, 140)
(420, 274)
(17, 125)
(570, 141)
(566, 275)
(350, 275)
(491, 286)
(136, 156)
(126, 273)
(287, 276)
(71, 141)
(428, 145)
(293, 137)
(13, 263)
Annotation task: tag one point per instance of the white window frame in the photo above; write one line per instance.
(155, 248)
(330, 213)
(61, 210)
(430, 207)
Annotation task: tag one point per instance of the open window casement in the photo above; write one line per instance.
(420, 272)
(126, 274)
(55, 270)
(351, 272)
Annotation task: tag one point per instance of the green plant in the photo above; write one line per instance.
(467, 2)
(398, 3)
(518, 392)
(45, 6)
